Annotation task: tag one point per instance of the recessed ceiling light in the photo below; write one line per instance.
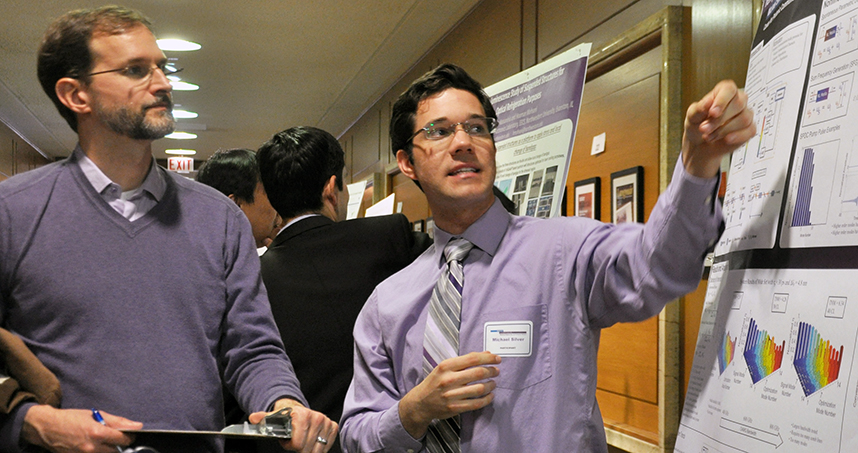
(184, 86)
(181, 152)
(178, 45)
(181, 136)
(177, 113)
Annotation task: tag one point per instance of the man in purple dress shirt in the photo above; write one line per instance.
(556, 283)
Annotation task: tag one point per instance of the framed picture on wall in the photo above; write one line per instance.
(419, 225)
(627, 195)
(587, 198)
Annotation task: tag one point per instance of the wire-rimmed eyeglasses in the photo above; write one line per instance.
(140, 72)
(475, 127)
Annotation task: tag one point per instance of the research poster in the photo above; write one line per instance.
(775, 364)
(537, 114)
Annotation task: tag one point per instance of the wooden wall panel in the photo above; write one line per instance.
(366, 153)
(7, 151)
(633, 417)
(560, 21)
(487, 42)
(619, 115)
(722, 32)
(414, 204)
(32, 159)
(628, 363)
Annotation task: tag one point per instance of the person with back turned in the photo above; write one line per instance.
(320, 269)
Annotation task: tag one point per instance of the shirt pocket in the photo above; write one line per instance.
(518, 373)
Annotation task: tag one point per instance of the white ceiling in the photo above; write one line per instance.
(265, 65)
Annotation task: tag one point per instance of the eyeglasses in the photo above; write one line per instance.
(141, 72)
(475, 127)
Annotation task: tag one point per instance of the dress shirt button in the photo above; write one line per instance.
(708, 200)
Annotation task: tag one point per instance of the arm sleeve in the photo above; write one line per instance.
(370, 420)
(633, 270)
(255, 366)
(10, 428)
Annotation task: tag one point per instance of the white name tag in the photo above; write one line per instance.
(509, 339)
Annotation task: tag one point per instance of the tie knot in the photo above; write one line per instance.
(457, 249)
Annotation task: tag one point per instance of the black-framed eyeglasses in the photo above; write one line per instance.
(140, 72)
(475, 127)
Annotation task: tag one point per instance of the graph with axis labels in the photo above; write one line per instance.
(762, 354)
(791, 385)
(811, 187)
(817, 362)
(821, 208)
(726, 353)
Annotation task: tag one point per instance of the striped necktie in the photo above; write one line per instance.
(441, 340)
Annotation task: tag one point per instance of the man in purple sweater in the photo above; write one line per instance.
(139, 289)
(501, 354)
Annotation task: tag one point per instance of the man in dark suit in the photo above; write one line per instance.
(320, 270)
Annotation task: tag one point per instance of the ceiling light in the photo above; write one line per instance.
(182, 136)
(181, 152)
(178, 45)
(177, 113)
(184, 86)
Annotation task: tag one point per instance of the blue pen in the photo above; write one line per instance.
(96, 415)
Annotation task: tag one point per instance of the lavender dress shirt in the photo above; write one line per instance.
(569, 277)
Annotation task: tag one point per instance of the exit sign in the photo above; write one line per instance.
(180, 164)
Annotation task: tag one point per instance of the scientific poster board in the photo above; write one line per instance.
(537, 114)
(774, 367)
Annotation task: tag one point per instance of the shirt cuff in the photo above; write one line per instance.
(694, 192)
(393, 435)
(10, 428)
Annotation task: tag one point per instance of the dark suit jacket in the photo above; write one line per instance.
(319, 274)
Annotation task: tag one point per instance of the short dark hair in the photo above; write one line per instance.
(232, 172)
(295, 165)
(65, 52)
(433, 82)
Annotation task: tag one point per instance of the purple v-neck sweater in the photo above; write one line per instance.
(139, 319)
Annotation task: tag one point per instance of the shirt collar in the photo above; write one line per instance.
(486, 233)
(154, 183)
(296, 220)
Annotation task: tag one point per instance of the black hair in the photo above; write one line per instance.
(443, 77)
(295, 165)
(232, 172)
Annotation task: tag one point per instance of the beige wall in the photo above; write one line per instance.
(502, 37)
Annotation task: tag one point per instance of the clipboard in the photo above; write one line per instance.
(277, 425)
